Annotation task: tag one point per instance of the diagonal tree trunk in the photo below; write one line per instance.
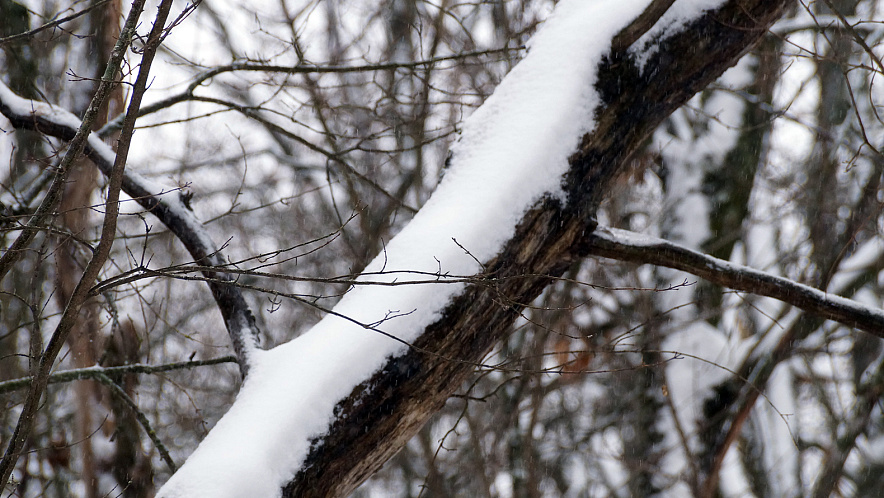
(384, 411)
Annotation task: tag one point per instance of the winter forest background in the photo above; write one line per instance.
(305, 134)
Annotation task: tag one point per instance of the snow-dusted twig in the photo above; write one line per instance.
(628, 246)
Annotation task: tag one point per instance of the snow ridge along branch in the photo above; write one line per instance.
(366, 395)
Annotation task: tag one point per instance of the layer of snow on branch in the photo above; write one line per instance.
(676, 17)
(164, 194)
(25, 107)
(513, 151)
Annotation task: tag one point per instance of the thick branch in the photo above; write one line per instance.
(383, 412)
(630, 34)
(626, 246)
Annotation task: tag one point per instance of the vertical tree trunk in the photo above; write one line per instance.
(85, 340)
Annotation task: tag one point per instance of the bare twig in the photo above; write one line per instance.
(169, 209)
(75, 148)
(188, 95)
(94, 372)
(856, 36)
(108, 232)
(51, 24)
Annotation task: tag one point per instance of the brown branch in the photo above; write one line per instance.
(109, 227)
(76, 147)
(644, 22)
(626, 246)
(856, 36)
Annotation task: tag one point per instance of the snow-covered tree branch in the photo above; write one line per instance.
(522, 141)
(625, 246)
(168, 204)
(425, 213)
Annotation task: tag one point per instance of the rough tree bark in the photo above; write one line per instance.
(383, 412)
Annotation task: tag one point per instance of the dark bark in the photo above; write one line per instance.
(383, 412)
(818, 303)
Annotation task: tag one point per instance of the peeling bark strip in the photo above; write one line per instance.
(383, 412)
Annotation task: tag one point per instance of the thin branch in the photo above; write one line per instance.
(51, 24)
(75, 148)
(169, 209)
(142, 419)
(335, 158)
(187, 95)
(856, 36)
(46, 209)
(93, 372)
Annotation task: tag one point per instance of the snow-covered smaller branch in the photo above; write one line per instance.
(641, 24)
(628, 246)
(171, 210)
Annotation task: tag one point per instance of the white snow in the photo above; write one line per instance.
(514, 151)
(24, 107)
(165, 195)
(676, 17)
